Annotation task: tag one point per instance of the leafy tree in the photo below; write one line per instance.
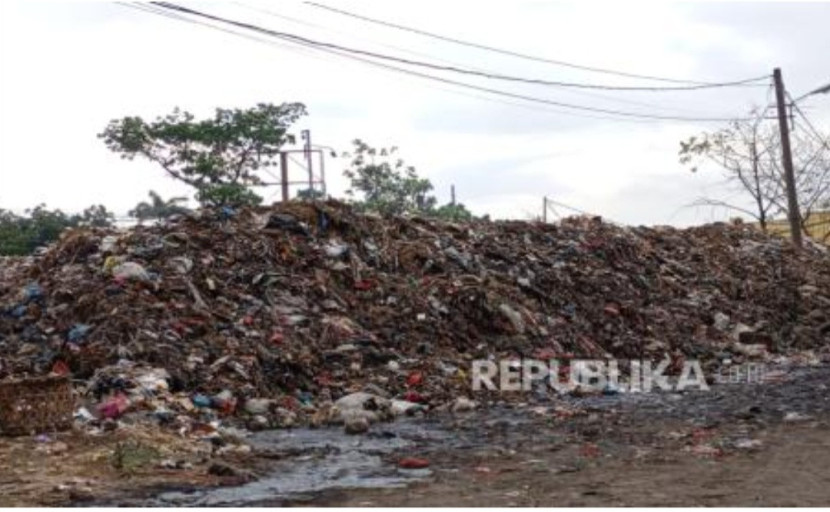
(453, 212)
(158, 208)
(387, 186)
(218, 156)
(390, 187)
(22, 234)
(96, 216)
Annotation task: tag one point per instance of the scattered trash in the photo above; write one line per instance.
(213, 320)
(463, 404)
(354, 424)
(794, 417)
(413, 463)
(361, 405)
(748, 444)
(114, 407)
(77, 332)
(258, 405)
(705, 450)
(83, 415)
(130, 270)
(589, 450)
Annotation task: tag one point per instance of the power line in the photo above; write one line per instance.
(521, 55)
(571, 208)
(274, 14)
(809, 124)
(178, 17)
(453, 69)
(497, 92)
(824, 89)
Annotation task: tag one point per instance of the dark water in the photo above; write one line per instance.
(309, 462)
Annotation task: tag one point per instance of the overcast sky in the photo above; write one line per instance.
(67, 68)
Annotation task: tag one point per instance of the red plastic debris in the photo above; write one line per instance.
(413, 463)
(700, 435)
(414, 396)
(324, 379)
(60, 368)
(114, 407)
(364, 284)
(415, 379)
(589, 450)
(612, 309)
(290, 403)
(544, 354)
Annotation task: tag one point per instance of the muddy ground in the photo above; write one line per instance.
(737, 444)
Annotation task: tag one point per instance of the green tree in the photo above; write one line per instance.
(158, 208)
(453, 212)
(218, 156)
(96, 216)
(39, 226)
(388, 186)
(13, 239)
(308, 194)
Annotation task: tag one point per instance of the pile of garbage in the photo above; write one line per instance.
(277, 312)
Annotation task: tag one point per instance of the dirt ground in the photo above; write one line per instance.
(749, 444)
(74, 467)
(788, 470)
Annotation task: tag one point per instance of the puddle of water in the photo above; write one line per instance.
(326, 459)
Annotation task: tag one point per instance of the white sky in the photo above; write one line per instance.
(67, 68)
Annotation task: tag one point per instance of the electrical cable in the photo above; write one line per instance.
(627, 101)
(513, 53)
(292, 47)
(437, 67)
(498, 92)
(809, 124)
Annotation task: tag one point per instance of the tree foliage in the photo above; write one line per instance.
(218, 156)
(39, 226)
(380, 182)
(309, 194)
(158, 208)
(385, 183)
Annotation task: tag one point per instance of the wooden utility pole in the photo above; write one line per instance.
(787, 160)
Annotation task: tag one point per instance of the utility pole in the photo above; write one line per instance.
(787, 160)
(452, 195)
(306, 136)
(545, 209)
(284, 175)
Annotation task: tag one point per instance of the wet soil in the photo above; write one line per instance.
(737, 444)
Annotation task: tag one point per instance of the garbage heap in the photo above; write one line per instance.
(303, 302)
